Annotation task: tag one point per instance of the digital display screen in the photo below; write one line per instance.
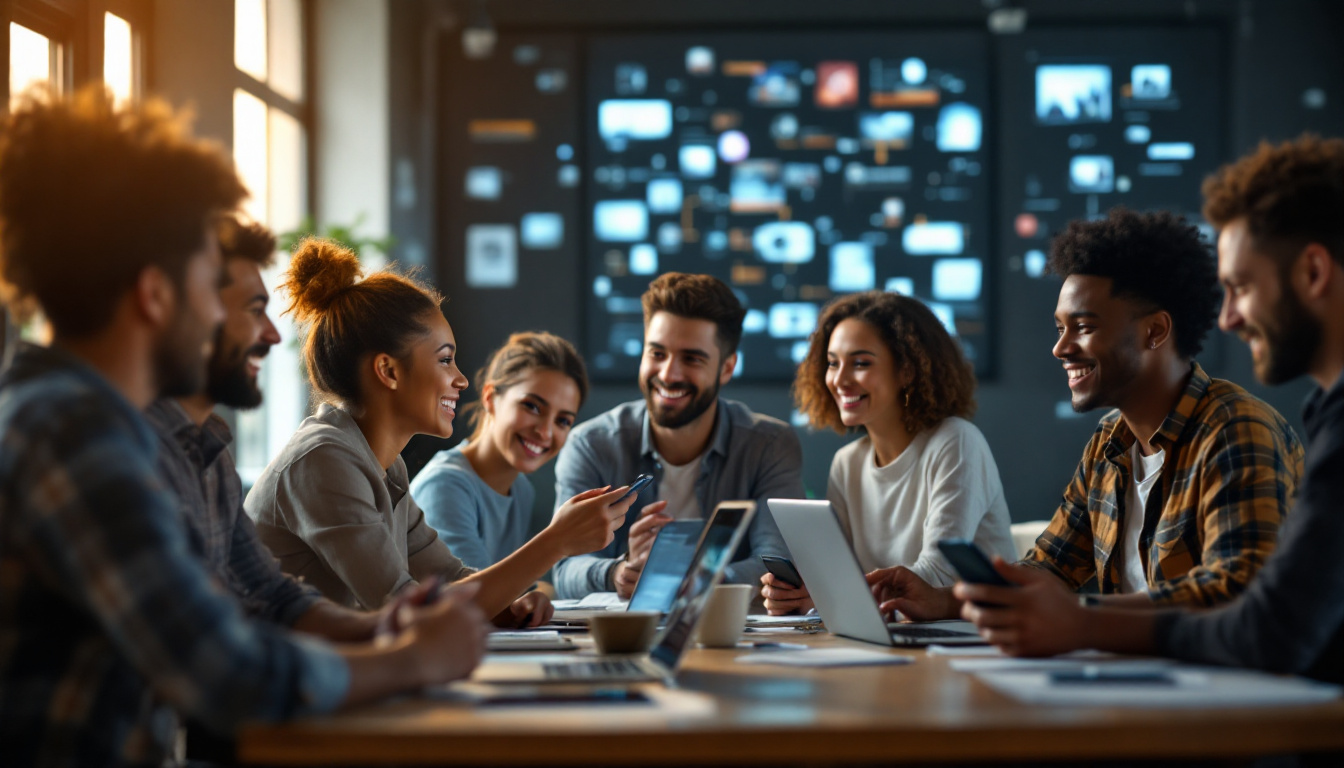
(796, 168)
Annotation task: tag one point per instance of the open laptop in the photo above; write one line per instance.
(719, 540)
(669, 559)
(826, 561)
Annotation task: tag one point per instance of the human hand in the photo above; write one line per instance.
(589, 521)
(1038, 617)
(391, 619)
(645, 529)
(781, 599)
(531, 610)
(447, 637)
(901, 589)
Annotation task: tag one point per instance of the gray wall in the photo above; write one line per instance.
(1273, 53)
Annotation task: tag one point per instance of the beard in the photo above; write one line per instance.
(697, 403)
(227, 380)
(179, 366)
(1291, 337)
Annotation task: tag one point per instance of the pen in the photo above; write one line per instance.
(780, 646)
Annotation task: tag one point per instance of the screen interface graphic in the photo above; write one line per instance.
(796, 168)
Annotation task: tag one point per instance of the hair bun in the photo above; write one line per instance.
(319, 272)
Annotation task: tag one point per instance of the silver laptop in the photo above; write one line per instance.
(826, 561)
(669, 559)
(718, 541)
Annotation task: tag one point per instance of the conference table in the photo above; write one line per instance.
(723, 712)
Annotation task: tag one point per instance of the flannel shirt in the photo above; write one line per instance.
(1230, 474)
(109, 623)
(195, 463)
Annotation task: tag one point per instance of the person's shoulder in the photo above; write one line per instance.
(447, 468)
(853, 452)
(64, 406)
(626, 417)
(741, 416)
(1229, 406)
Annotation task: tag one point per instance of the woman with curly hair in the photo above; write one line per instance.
(883, 363)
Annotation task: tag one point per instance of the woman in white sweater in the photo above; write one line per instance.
(884, 364)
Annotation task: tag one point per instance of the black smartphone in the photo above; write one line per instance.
(783, 569)
(637, 485)
(971, 563)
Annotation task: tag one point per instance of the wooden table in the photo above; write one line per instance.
(921, 712)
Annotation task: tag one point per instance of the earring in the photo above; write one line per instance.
(907, 397)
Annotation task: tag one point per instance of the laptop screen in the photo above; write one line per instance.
(668, 562)
(724, 531)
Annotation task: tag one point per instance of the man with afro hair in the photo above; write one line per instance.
(1179, 494)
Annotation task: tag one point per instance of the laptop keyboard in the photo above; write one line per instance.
(585, 670)
(927, 632)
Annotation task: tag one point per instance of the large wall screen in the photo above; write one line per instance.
(794, 167)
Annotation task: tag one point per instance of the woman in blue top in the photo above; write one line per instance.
(477, 495)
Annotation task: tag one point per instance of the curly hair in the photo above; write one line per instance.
(698, 297)
(1290, 195)
(246, 240)
(91, 194)
(942, 380)
(1156, 259)
(346, 318)
(524, 352)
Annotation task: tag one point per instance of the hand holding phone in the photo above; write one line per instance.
(783, 569)
(637, 485)
(972, 565)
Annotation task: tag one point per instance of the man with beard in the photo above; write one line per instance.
(1179, 494)
(701, 449)
(1281, 262)
(194, 459)
(111, 626)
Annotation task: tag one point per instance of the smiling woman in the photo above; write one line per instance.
(334, 505)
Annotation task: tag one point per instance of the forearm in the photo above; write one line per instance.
(1136, 601)
(1120, 630)
(581, 575)
(376, 673)
(337, 623)
(503, 582)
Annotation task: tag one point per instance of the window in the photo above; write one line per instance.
(270, 135)
(120, 61)
(33, 58)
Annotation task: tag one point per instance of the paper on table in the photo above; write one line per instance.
(591, 600)
(766, 620)
(1056, 664)
(1195, 687)
(979, 651)
(535, 640)
(824, 657)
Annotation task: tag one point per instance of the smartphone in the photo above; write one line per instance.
(971, 563)
(783, 569)
(637, 485)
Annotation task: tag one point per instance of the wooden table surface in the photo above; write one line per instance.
(919, 712)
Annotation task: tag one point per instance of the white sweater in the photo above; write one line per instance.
(944, 485)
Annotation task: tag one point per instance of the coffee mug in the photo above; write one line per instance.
(725, 615)
(623, 631)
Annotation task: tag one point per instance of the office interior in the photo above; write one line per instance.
(541, 161)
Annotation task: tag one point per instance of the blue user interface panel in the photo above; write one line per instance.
(796, 168)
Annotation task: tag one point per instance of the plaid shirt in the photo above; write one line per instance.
(195, 462)
(1230, 474)
(108, 622)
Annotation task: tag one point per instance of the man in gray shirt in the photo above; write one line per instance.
(1281, 263)
(701, 449)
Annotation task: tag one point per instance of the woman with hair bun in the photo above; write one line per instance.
(884, 363)
(477, 495)
(334, 506)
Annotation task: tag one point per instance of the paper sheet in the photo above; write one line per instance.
(1195, 687)
(824, 657)
(592, 600)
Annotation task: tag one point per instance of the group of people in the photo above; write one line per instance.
(139, 589)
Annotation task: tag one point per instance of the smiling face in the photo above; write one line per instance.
(1261, 308)
(245, 338)
(530, 421)
(427, 395)
(1098, 342)
(862, 377)
(681, 371)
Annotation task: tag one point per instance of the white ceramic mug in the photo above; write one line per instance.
(725, 615)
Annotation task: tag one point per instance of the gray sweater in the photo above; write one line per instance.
(336, 519)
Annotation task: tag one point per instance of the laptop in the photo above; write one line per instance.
(669, 559)
(826, 561)
(718, 541)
